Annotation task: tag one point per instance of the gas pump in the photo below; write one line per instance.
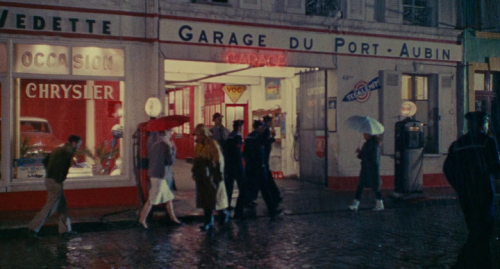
(141, 161)
(408, 161)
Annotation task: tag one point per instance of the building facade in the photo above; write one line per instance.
(310, 64)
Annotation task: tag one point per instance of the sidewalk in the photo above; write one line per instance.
(298, 198)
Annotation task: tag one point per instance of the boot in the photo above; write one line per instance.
(379, 206)
(224, 216)
(209, 222)
(354, 206)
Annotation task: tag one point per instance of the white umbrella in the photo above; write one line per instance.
(365, 125)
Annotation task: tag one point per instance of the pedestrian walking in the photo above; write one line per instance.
(255, 170)
(218, 131)
(161, 156)
(369, 177)
(57, 165)
(208, 174)
(235, 169)
(473, 159)
(268, 140)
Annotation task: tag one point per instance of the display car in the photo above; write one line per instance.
(37, 137)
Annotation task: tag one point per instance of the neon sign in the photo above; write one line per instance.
(255, 59)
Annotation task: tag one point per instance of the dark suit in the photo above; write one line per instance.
(234, 166)
(255, 170)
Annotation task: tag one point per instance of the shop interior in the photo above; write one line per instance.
(237, 91)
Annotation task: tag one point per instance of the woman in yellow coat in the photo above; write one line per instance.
(208, 174)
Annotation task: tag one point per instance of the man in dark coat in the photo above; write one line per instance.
(471, 162)
(235, 169)
(57, 166)
(268, 140)
(255, 170)
(234, 160)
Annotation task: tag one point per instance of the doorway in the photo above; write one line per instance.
(237, 112)
(312, 128)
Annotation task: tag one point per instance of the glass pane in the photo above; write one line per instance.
(421, 85)
(52, 110)
(230, 116)
(479, 80)
(178, 103)
(406, 88)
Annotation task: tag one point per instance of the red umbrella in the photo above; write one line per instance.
(167, 122)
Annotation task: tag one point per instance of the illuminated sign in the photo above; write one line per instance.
(234, 91)
(408, 109)
(41, 59)
(94, 61)
(255, 59)
(50, 59)
(69, 91)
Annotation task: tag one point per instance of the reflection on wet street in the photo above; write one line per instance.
(427, 237)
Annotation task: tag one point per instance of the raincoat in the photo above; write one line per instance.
(208, 171)
(370, 164)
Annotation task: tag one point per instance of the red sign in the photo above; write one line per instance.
(255, 59)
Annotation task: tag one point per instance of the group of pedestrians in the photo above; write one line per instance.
(220, 159)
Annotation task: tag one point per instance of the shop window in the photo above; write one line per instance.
(417, 12)
(486, 86)
(416, 88)
(181, 102)
(214, 101)
(49, 111)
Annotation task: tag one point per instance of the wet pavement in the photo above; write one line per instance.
(316, 231)
(405, 237)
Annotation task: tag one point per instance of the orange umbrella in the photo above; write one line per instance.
(167, 122)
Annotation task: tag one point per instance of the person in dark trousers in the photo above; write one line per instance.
(234, 157)
(235, 169)
(369, 177)
(255, 170)
(57, 166)
(471, 162)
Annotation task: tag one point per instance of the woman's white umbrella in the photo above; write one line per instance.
(364, 124)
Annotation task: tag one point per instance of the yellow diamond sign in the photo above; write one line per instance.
(234, 92)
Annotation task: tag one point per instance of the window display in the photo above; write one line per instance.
(47, 112)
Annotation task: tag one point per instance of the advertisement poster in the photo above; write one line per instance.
(273, 89)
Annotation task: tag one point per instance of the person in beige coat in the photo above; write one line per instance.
(208, 174)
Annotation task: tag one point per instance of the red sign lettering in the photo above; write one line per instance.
(255, 59)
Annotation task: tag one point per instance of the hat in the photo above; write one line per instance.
(200, 129)
(477, 116)
(238, 123)
(257, 124)
(216, 115)
(267, 117)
